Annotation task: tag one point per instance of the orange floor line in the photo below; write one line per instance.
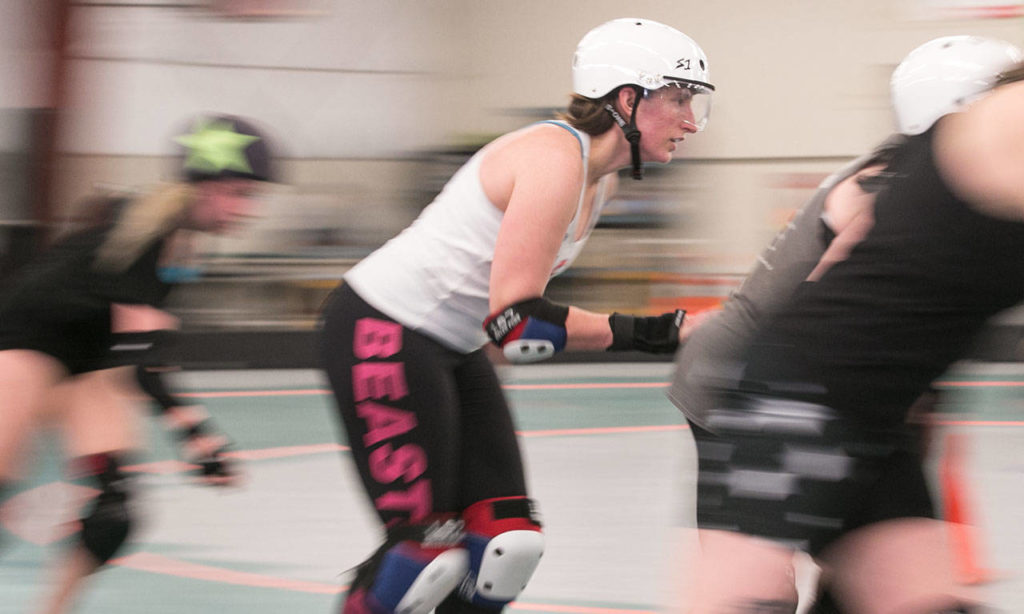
(215, 394)
(155, 563)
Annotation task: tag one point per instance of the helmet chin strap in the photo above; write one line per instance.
(631, 133)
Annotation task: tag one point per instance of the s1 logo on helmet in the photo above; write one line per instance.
(683, 63)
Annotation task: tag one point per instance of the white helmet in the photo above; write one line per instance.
(641, 52)
(943, 75)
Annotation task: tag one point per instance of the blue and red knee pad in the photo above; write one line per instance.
(412, 572)
(486, 557)
(505, 543)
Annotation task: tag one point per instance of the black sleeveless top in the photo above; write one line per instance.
(880, 326)
(63, 285)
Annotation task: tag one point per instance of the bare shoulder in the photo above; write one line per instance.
(543, 155)
(538, 144)
(980, 152)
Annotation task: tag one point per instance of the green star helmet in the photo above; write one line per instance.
(224, 146)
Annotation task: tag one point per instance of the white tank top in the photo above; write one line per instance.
(434, 276)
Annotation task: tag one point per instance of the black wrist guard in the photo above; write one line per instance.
(654, 334)
(211, 462)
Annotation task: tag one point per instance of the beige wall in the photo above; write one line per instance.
(794, 77)
(357, 96)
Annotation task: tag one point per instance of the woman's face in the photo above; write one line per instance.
(223, 205)
(665, 117)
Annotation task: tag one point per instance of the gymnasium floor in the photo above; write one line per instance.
(608, 459)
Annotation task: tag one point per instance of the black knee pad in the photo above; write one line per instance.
(107, 525)
(107, 522)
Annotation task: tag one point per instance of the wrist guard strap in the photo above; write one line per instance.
(654, 334)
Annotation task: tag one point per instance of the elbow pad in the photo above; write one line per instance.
(655, 334)
(530, 330)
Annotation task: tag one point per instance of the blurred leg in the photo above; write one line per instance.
(737, 573)
(743, 492)
(99, 416)
(896, 567)
(492, 496)
(67, 580)
(800, 475)
(100, 425)
(25, 379)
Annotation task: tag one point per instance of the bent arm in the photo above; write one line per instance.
(980, 152)
(544, 175)
(587, 330)
(855, 229)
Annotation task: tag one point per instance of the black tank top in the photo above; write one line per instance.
(880, 326)
(63, 285)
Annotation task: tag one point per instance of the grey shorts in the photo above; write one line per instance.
(804, 474)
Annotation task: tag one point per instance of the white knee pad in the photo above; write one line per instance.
(505, 564)
(416, 568)
(435, 582)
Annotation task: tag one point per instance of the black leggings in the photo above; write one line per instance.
(429, 427)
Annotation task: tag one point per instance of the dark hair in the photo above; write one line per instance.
(888, 150)
(589, 114)
(887, 155)
(1011, 76)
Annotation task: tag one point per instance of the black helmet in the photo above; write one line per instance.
(222, 146)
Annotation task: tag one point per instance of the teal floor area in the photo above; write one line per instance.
(608, 459)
